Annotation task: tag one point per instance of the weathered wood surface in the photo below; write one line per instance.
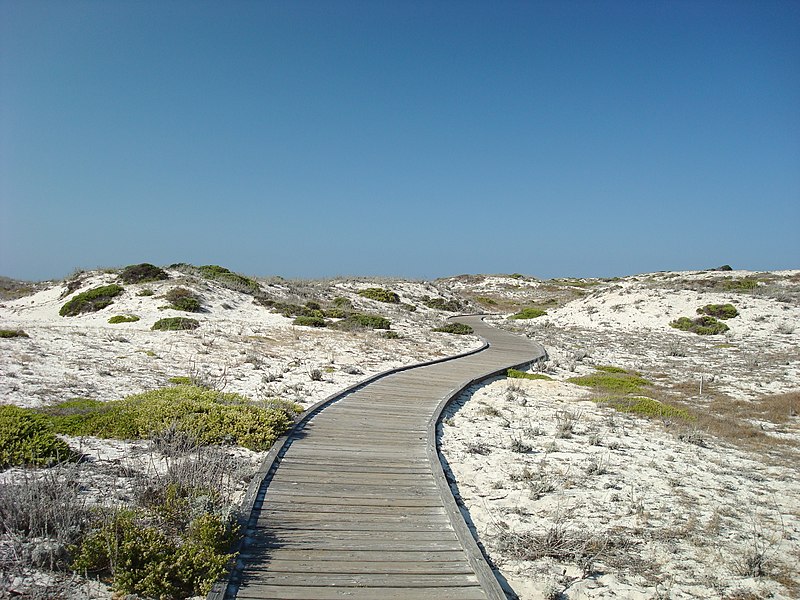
(357, 505)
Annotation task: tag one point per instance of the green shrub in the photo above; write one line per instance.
(342, 302)
(175, 324)
(12, 333)
(335, 313)
(614, 382)
(720, 311)
(442, 304)
(180, 380)
(380, 294)
(391, 335)
(457, 328)
(310, 321)
(746, 284)
(145, 292)
(27, 438)
(123, 319)
(142, 273)
(144, 559)
(208, 416)
(230, 280)
(515, 374)
(182, 299)
(704, 325)
(529, 313)
(486, 300)
(90, 300)
(363, 321)
(644, 406)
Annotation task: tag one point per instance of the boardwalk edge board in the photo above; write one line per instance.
(250, 505)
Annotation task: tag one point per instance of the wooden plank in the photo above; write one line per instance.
(254, 591)
(280, 565)
(372, 580)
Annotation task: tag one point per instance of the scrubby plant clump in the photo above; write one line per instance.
(175, 324)
(644, 406)
(12, 333)
(720, 311)
(364, 321)
(380, 294)
(456, 328)
(208, 416)
(705, 325)
(142, 273)
(182, 299)
(91, 300)
(123, 319)
(442, 304)
(313, 321)
(529, 313)
(229, 279)
(612, 380)
(27, 438)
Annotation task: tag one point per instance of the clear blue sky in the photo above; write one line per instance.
(421, 139)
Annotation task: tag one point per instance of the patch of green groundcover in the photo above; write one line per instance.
(123, 319)
(207, 416)
(175, 324)
(644, 406)
(380, 294)
(363, 321)
(705, 325)
(516, 374)
(28, 438)
(142, 273)
(720, 311)
(90, 300)
(457, 328)
(310, 321)
(529, 313)
(613, 381)
(12, 333)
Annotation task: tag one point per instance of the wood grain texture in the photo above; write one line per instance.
(354, 503)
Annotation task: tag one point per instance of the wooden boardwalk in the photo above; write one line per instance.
(356, 504)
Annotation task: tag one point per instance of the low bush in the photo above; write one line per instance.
(647, 407)
(704, 325)
(363, 321)
(310, 321)
(342, 302)
(208, 416)
(182, 299)
(123, 319)
(613, 382)
(230, 280)
(745, 284)
(515, 374)
(442, 304)
(457, 328)
(145, 292)
(391, 335)
(335, 313)
(142, 273)
(380, 294)
(529, 313)
(28, 438)
(91, 300)
(720, 311)
(175, 324)
(12, 333)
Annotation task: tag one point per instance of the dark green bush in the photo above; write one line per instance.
(529, 313)
(144, 559)
(12, 333)
(90, 300)
(27, 438)
(369, 321)
(335, 313)
(182, 299)
(457, 328)
(720, 311)
(380, 294)
(442, 304)
(704, 325)
(342, 302)
(123, 319)
(175, 324)
(310, 321)
(208, 416)
(228, 279)
(142, 273)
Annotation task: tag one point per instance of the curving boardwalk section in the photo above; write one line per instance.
(356, 505)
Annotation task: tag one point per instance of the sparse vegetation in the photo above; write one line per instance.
(91, 300)
(229, 279)
(380, 294)
(310, 321)
(647, 407)
(12, 333)
(611, 380)
(175, 324)
(142, 273)
(123, 319)
(456, 328)
(705, 325)
(529, 313)
(720, 311)
(442, 304)
(27, 438)
(207, 416)
(363, 321)
(516, 374)
(180, 298)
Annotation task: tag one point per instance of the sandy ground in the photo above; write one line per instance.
(570, 498)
